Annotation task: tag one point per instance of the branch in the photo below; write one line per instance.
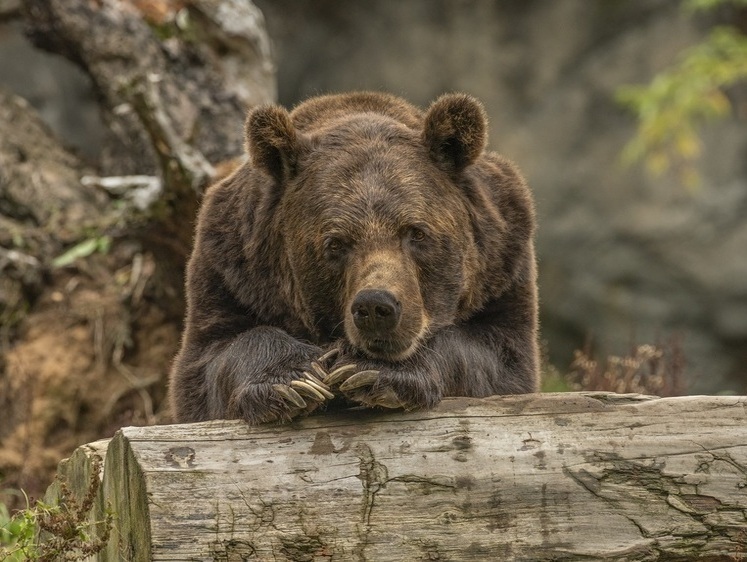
(184, 168)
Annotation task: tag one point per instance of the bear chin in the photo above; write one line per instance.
(389, 350)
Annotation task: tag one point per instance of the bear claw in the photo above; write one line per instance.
(355, 388)
(364, 378)
(339, 374)
(318, 370)
(289, 395)
(314, 381)
(331, 354)
(309, 389)
(388, 400)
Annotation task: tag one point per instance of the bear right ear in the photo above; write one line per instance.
(272, 141)
(455, 131)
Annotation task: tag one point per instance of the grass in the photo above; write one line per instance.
(65, 531)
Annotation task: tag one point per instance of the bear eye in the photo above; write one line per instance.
(334, 248)
(417, 234)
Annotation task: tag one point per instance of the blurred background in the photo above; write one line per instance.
(626, 116)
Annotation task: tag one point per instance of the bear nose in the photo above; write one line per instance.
(375, 310)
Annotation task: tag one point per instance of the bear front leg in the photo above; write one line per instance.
(263, 375)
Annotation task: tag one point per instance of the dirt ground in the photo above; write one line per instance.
(84, 345)
(92, 356)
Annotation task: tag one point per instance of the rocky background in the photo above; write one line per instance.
(625, 259)
(159, 88)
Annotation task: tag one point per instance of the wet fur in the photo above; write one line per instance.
(264, 295)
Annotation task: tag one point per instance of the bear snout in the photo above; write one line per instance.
(384, 315)
(376, 312)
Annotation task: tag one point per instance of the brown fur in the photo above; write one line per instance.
(350, 197)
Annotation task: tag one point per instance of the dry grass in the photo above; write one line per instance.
(655, 369)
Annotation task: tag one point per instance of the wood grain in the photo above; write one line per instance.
(574, 476)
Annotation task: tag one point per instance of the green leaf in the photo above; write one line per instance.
(671, 109)
(83, 250)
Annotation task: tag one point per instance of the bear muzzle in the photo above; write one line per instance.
(377, 326)
(376, 312)
(384, 316)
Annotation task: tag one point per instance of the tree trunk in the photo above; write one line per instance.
(176, 78)
(575, 476)
(92, 253)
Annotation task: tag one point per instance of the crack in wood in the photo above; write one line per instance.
(373, 476)
(696, 507)
(444, 482)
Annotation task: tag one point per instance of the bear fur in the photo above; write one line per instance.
(363, 225)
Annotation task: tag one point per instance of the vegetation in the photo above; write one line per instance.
(653, 369)
(672, 109)
(64, 531)
(100, 243)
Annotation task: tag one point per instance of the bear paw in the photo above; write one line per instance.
(385, 388)
(306, 394)
(279, 402)
(369, 393)
(308, 388)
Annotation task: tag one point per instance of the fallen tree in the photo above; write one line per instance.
(572, 476)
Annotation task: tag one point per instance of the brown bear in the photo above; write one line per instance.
(367, 252)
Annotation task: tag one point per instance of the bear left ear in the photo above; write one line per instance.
(455, 131)
(271, 141)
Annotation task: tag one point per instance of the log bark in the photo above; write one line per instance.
(573, 476)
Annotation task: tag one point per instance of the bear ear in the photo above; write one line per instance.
(272, 141)
(455, 131)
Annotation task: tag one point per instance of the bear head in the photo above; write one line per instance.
(374, 210)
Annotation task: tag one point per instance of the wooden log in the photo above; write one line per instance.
(576, 476)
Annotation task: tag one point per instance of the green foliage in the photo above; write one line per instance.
(83, 250)
(15, 531)
(64, 531)
(672, 108)
(555, 382)
(694, 5)
(551, 378)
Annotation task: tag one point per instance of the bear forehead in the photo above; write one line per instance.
(368, 169)
(377, 181)
(366, 153)
(378, 200)
(363, 125)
